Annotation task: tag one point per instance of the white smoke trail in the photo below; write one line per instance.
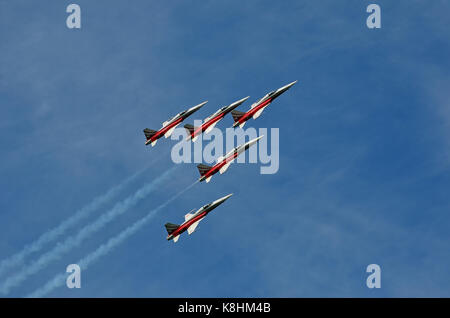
(104, 249)
(50, 235)
(84, 233)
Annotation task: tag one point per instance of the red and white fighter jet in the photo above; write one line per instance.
(169, 126)
(191, 220)
(240, 118)
(224, 162)
(209, 123)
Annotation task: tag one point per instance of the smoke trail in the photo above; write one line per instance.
(104, 249)
(52, 234)
(84, 233)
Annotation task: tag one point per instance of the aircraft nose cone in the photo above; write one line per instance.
(222, 200)
(201, 105)
(237, 103)
(242, 100)
(253, 141)
(197, 107)
(285, 88)
(226, 197)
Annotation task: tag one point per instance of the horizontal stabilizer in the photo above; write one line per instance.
(203, 169)
(237, 115)
(149, 133)
(170, 227)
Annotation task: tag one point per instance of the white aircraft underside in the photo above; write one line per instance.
(191, 229)
(170, 131)
(225, 167)
(211, 127)
(258, 113)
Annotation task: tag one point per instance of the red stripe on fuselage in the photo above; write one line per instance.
(183, 227)
(250, 113)
(163, 130)
(219, 165)
(205, 126)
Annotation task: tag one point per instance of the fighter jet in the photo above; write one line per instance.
(211, 121)
(169, 126)
(206, 172)
(191, 220)
(240, 118)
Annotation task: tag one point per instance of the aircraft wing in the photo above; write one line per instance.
(211, 127)
(188, 216)
(170, 131)
(258, 113)
(192, 228)
(225, 167)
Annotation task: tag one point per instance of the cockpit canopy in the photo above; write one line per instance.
(265, 96)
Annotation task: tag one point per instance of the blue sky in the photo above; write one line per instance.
(364, 144)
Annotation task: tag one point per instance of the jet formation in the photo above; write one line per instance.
(191, 220)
